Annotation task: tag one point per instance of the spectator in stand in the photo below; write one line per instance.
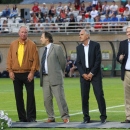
(82, 8)
(89, 7)
(76, 6)
(68, 9)
(39, 27)
(5, 27)
(98, 23)
(94, 3)
(83, 18)
(35, 18)
(71, 23)
(58, 8)
(122, 22)
(32, 26)
(121, 9)
(128, 18)
(105, 8)
(36, 9)
(58, 20)
(98, 7)
(44, 10)
(105, 24)
(52, 10)
(46, 25)
(73, 69)
(126, 12)
(94, 12)
(14, 11)
(90, 20)
(69, 65)
(6, 12)
(114, 22)
(54, 27)
(51, 19)
(62, 14)
(90, 23)
(128, 5)
(114, 8)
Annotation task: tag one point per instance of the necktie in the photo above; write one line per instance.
(43, 60)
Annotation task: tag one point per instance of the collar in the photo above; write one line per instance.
(48, 45)
(87, 44)
(22, 42)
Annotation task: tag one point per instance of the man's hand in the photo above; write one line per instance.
(90, 75)
(85, 76)
(30, 77)
(11, 75)
(121, 57)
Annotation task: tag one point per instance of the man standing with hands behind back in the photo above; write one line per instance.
(51, 78)
(123, 57)
(22, 62)
(89, 66)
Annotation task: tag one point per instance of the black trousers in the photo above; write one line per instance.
(98, 91)
(30, 112)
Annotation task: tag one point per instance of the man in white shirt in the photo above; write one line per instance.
(123, 57)
(94, 12)
(114, 8)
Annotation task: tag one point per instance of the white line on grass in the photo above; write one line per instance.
(89, 111)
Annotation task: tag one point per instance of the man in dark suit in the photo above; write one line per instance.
(89, 66)
(123, 57)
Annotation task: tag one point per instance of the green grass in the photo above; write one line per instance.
(113, 91)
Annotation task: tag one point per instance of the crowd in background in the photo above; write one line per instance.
(72, 12)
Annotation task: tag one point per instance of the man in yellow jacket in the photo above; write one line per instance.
(22, 63)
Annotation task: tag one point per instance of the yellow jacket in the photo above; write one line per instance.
(30, 59)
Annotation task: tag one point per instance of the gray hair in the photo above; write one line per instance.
(127, 27)
(23, 26)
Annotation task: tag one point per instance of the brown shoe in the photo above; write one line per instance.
(126, 121)
(50, 120)
(66, 120)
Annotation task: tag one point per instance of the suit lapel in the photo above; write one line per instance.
(82, 54)
(51, 48)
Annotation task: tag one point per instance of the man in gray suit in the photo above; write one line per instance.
(51, 77)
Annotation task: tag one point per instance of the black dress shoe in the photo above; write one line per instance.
(32, 120)
(86, 121)
(126, 121)
(103, 121)
(22, 121)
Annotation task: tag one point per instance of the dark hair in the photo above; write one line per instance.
(49, 36)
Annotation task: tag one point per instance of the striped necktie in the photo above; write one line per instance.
(43, 60)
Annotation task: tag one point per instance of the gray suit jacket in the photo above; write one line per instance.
(56, 62)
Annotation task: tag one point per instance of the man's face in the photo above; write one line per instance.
(23, 33)
(128, 32)
(44, 41)
(83, 35)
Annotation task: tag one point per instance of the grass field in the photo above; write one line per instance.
(113, 90)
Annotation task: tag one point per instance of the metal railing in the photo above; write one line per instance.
(66, 27)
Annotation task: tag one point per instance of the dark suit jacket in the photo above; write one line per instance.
(94, 59)
(123, 49)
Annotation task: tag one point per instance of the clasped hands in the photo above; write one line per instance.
(88, 76)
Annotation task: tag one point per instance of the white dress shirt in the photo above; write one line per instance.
(86, 48)
(46, 65)
(127, 66)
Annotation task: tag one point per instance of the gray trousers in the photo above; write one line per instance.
(58, 92)
(126, 84)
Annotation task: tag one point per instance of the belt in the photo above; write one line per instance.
(87, 68)
(44, 74)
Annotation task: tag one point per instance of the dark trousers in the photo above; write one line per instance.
(30, 112)
(98, 91)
